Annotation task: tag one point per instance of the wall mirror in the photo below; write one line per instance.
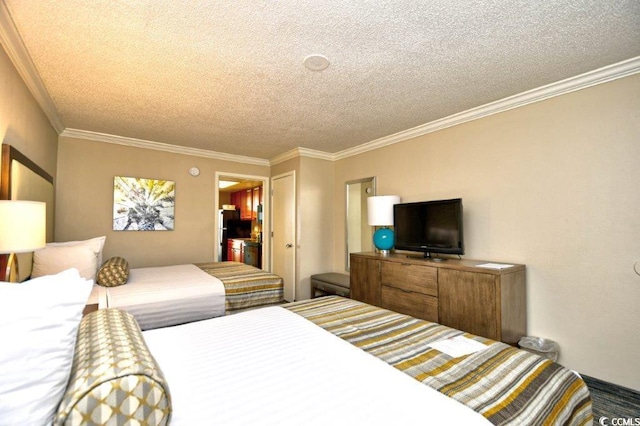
(359, 235)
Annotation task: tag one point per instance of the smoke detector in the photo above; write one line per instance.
(316, 62)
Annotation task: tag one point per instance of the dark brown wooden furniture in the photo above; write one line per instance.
(253, 253)
(456, 292)
(235, 250)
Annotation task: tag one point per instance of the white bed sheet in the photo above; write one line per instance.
(271, 366)
(168, 295)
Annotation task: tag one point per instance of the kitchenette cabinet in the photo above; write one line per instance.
(247, 201)
(245, 250)
(253, 253)
(235, 250)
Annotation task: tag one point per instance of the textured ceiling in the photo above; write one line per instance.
(229, 76)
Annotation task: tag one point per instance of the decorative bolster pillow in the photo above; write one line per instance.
(113, 272)
(114, 378)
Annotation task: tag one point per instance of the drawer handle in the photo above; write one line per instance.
(405, 264)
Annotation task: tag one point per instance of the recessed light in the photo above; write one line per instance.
(316, 62)
(226, 183)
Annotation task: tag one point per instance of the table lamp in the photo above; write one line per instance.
(22, 230)
(380, 213)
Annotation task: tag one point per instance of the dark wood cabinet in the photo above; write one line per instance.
(456, 293)
(491, 305)
(256, 201)
(247, 201)
(365, 279)
(253, 254)
(410, 289)
(244, 251)
(234, 199)
(235, 250)
(246, 204)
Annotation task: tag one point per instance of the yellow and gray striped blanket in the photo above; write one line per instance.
(506, 385)
(245, 286)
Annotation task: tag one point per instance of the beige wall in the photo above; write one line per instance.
(23, 124)
(315, 222)
(554, 185)
(314, 218)
(85, 200)
(290, 165)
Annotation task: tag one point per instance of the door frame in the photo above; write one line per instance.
(291, 173)
(266, 213)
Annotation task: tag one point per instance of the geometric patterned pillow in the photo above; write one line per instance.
(114, 378)
(113, 272)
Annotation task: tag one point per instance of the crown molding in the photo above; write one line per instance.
(314, 153)
(572, 84)
(294, 153)
(20, 58)
(159, 146)
(301, 152)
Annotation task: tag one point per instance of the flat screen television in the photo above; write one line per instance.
(429, 227)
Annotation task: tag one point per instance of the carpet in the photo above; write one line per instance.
(613, 402)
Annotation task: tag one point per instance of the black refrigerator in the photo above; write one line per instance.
(231, 227)
(224, 216)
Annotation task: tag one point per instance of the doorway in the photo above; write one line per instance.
(252, 208)
(283, 235)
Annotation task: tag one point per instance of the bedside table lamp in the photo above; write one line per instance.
(380, 213)
(22, 230)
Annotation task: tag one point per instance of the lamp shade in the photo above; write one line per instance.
(380, 210)
(22, 226)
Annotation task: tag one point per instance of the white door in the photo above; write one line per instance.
(283, 231)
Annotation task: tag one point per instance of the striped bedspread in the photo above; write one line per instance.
(245, 286)
(506, 385)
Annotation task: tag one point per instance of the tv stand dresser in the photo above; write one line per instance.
(456, 292)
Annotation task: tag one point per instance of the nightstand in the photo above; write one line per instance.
(97, 300)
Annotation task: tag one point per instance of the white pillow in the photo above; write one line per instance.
(85, 256)
(39, 322)
(96, 244)
(52, 260)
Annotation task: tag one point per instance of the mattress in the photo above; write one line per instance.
(168, 295)
(506, 385)
(272, 367)
(246, 286)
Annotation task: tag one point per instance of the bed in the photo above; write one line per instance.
(278, 367)
(323, 361)
(169, 295)
(245, 286)
(503, 383)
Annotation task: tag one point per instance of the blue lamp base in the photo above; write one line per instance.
(383, 240)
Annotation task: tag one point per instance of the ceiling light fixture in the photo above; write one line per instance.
(316, 62)
(226, 184)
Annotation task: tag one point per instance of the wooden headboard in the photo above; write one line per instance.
(22, 179)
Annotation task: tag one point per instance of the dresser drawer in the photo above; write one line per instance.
(409, 277)
(417, 305)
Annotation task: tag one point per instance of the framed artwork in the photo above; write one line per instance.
(143, 204)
